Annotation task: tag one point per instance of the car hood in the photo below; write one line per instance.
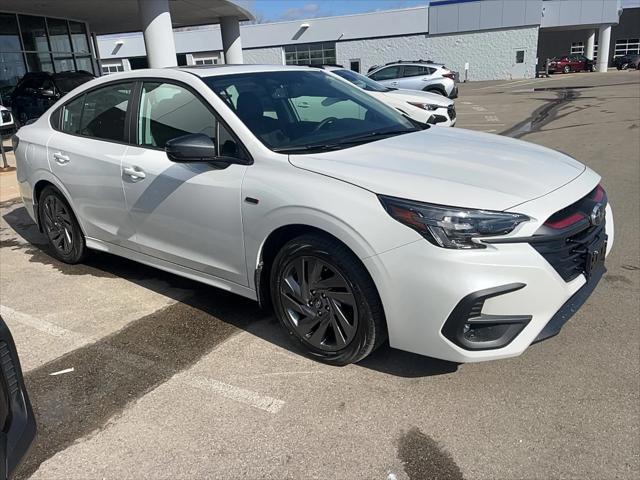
(419, 96)
(449, 166)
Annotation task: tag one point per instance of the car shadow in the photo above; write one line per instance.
(229, 308)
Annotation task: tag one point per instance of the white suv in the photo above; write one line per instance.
(423, 107)
(354, 224)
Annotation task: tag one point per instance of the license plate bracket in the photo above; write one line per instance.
(595, 256)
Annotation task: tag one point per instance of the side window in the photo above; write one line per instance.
(386, 73)
(71, 114)
(168, 111)
(104, 112)
(414, 71)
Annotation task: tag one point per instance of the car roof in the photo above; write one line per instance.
(224, 69)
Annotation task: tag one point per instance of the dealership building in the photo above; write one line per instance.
(481, 39)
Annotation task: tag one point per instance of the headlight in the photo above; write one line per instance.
(451, 227)
(425, 106)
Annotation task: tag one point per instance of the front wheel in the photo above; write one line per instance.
(61, 227)
(566, 69)
(326, 301)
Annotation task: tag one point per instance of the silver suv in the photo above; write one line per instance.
(418, 75)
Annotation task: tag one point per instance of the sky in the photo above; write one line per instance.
(279, 10)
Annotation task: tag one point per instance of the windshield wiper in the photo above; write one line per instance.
(326, 147)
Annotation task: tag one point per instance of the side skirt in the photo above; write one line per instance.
(171, 267)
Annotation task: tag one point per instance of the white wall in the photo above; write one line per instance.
(267, 56)
(491, 54)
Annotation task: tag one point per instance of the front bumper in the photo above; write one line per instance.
(422, 285)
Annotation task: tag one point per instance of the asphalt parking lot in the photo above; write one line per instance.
(172, 379)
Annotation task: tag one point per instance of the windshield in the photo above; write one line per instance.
(69, 82)
(361, 81)
(301, 111)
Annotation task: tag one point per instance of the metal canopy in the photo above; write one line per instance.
(117, 16)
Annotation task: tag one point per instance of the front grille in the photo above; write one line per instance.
(568, 254)
(451, 109)
(6, 116)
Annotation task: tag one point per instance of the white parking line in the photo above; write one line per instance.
(52, 329)
(242, 395)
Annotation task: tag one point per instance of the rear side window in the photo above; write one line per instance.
(71, 114)
(415, 71)
(104, 112)
(386, 73)
(168, 111)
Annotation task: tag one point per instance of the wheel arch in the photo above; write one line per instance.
(274, 242)
(435, 88)
(38, 187)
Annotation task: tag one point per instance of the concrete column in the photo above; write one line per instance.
(604, 39)
(591, 41)
(158, 33)
(231, 42)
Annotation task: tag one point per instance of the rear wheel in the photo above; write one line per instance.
(440, 91)
(61, 227)
(326, 301)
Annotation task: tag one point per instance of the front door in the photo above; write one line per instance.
(184, 213)
(85, 155)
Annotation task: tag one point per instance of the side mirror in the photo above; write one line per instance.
(199, 148)
(195, 147)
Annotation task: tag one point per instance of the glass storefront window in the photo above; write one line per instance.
(34, 33)
(63, 62)
(84, 63)
(39, 62)
(59, 35)
(9, 39)
(79, 37)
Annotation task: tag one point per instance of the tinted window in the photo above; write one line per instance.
(71, 114)
(361, 81)
(386, 73)
(104, 112)
(314, 110)
(168, 111)
(414, 71)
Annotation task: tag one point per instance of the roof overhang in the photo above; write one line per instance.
(117, 16)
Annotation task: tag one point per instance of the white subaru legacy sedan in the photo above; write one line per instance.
(353, 223)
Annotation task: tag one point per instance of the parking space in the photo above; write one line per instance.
(136, 373)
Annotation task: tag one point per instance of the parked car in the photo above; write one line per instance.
(571, 63)
(426, 76)
(37, 91)
(18, 426)
(424, 107)
(7, 124)
(626, 62)
(353, 226)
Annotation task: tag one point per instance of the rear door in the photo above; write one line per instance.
(184, 213)
(414, 77)
(85, 154)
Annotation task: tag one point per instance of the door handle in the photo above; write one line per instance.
(303, 104)
(394, 83)
(136, 173)
(60, 158)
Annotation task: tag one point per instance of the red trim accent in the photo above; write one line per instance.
(598, 195)
(566, 222)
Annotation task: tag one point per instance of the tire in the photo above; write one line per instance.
(61, 227)
(566, 69)
(333, 284)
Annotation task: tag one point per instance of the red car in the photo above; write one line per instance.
(571, 63)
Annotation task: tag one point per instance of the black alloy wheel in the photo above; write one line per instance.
(326, 300)
(61, 227)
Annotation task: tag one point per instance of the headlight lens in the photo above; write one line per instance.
(451, 227)
(425, 106)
